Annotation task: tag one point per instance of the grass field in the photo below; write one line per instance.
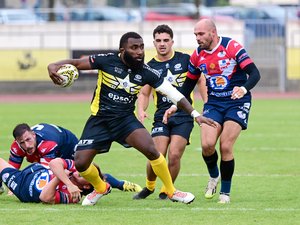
(265, 187)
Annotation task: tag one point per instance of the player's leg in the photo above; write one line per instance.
(3, 164)
(141, 140)
(161, 143)
(209, 137)
(122, 185)
(86, 169)
(176, 150)
(230, 133)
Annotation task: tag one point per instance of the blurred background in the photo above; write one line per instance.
(34, 33)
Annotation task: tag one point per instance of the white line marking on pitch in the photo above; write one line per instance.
(153, 209)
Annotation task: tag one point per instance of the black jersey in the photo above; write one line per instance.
(118, 85)
(175, 71)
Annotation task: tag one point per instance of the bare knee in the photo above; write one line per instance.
(208, 149)
(151, 153)
(83, 159)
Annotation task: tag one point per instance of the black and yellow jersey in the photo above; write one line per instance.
(175, 71)
(118, 85)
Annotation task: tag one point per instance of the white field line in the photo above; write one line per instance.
(266, 149)
(139, 209)
(205, 175)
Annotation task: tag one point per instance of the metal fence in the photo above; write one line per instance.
(268, 43)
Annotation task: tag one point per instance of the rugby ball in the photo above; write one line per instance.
(68, 73)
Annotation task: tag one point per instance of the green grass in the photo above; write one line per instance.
(265, 187)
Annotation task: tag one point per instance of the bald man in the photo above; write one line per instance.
(230, 75)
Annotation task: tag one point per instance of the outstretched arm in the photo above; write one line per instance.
(181, 102)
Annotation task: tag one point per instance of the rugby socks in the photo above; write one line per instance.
(150, 184)
(92, 176)
(227, 169)
(160, 168)
(114, 182)
(163, 189)
(211, 163)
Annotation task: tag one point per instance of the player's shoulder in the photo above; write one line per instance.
(181, 54)
(148, 69)
(103, 56)
(16, 150)
(228, 42)
(152, 62)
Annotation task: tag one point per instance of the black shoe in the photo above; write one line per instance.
(162, 196)
(143, 194)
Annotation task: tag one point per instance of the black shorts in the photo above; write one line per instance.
(100, 131)
(181, 126)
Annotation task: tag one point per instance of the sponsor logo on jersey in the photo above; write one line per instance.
(166, 99)
(203, 68)
(42, 181)
(235, 44)
(118, 70)
(212, 66)
(85, 142)
(121, 99)
(241, 114)
(218, 82)
(138, 78)
(243, 56)
(157, 130)
(178, 67)
(11, 183)
(4, 177)
(152, 70)
(224, 63)
(221, 54)
(247, 105)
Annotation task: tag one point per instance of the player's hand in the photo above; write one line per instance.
(74, 192)
(52, 70)
(10, 193)
(238, 92)
(142, 115)
(169, 112)
(202, 119)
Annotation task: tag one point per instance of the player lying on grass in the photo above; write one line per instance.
(61, 184)
(43, 142)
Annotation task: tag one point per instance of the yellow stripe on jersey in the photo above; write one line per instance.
(96, 100)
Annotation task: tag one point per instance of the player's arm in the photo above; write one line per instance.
(16, 156)
(253, 78)
(58, 166)
(81, 64)
(48, 194)
(202, 88)
(180, 101)
(15, 163)
(143, 102)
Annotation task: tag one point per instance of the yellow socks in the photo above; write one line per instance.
(150, 184)
(160, 168)
(92, 176)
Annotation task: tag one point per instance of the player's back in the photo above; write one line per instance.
(55, 141)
